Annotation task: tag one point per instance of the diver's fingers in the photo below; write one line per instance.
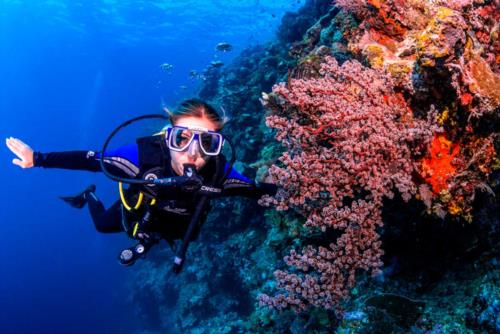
(12, 147)
(20, 144)
(12, 141)
(22, 150)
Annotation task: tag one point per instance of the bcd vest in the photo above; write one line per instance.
(172, 208)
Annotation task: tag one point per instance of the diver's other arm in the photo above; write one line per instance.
(77, 160)
(121, 162)
(239, 185)
(27, 158)
(23, 152)
(252, 190)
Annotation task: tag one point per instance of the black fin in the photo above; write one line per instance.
(78, 201)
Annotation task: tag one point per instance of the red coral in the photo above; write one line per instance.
(438, 168)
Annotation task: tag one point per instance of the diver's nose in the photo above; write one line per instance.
(194, 148)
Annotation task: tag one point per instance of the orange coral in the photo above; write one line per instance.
(390, 25)
(466, 99)
(437, 168)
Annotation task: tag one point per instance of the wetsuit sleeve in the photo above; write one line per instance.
(121, 162)
(239, 185)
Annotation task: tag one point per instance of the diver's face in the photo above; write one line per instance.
(193, 154)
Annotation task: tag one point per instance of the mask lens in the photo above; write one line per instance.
(210, 142)
(180, 138)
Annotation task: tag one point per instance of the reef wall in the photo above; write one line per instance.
(379, 121)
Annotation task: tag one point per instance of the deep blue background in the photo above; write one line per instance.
(70, 72)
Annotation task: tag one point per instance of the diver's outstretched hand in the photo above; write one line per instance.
(23, 152)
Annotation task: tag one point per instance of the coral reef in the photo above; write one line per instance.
(400, 127)
(352, 136)
(445, 54)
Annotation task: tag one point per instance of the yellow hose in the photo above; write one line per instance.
(124, 201)
(136, 226)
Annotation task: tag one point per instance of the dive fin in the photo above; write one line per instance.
(78, 201)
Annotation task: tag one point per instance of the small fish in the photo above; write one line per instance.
(194, 74)
(217, 63)
(166, 67)
(224, 47)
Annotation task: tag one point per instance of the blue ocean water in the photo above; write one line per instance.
(70, 71)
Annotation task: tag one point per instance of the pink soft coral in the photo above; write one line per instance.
(350, 140)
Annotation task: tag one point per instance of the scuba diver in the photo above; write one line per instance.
(172, 176)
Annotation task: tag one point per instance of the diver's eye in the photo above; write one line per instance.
(181, 138)
(207, 141)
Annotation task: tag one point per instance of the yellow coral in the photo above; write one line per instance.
(375, 55)
(432, 43)
(445, 196)
(454, 208)
(400, 68)
(496, 163)
(444, 116)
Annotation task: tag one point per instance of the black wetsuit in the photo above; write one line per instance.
(173, 209)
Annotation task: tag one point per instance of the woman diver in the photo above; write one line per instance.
(187, 155)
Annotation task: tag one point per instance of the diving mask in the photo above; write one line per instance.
(179, 138)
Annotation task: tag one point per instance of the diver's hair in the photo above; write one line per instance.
(197, 108)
